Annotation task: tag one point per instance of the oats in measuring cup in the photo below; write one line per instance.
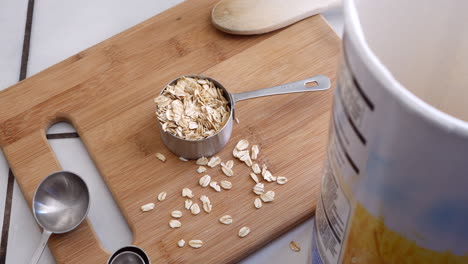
(192, 108)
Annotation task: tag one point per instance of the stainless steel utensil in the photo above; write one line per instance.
(194, 149)
(129, 255)
(60, 204)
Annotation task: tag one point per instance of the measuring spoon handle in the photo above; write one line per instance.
(316, 83)
(37, 254)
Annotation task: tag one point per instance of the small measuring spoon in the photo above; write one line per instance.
(206, 147)
(129, 255)
(60, 204)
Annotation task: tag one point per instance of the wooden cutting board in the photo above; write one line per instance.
(107, 93)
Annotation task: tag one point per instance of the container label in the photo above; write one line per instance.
(392, 190)
(331, 219)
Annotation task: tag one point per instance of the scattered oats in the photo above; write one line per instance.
(183, 159)
(268, 196)
(176, 214)
(236, 153)
(258, 203)
(147, 207)
(255, 151)
(256, 169)
(195, 209)
(226, 219)
(243, 153)
(254, 177)
(259, 188)
(202, 161)
(227, 185)
(162, 196)
(204, 198)
(244, 231)
(215, 186)
(207, 206)
(267, 176)
(246, 158)
(237, 120)
(264, 168)
(195, 243)
(204, 180)
(186, 192)
(201, 169)
(175, 223)
(192, 110)
(281, 180)
(188, 204)
(294, 246)
(227, 171)
(229, 164)
(214, 161)
(242, 144)
(160, 156)
(181, 243)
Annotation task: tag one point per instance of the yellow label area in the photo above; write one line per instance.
(370, 241)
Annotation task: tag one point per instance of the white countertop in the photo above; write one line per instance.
(61, 29)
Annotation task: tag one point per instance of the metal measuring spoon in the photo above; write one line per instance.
(129, 255)
(207, 147)
(127, 258)
(60, 204)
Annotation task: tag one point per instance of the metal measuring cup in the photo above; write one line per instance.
(129, 255)
(206, 147)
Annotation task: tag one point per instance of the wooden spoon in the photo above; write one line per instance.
(247, 17)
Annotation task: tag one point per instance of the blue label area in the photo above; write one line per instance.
(316, 259)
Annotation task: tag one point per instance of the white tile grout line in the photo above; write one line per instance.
(62, 135)
(6, 217)
(11, 178)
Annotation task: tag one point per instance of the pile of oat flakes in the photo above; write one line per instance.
(192, 108)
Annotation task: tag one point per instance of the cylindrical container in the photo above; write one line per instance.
(207, 147)
(395, 183)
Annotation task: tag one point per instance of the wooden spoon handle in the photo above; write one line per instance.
(247, 17)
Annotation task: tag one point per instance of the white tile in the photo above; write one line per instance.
(61, 127)
(25, 234)
(278, 251)
(3, 186)
(335, 18)
(104, 214)
(64, 28)
(12, 21)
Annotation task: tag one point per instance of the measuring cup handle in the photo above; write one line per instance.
(37, 254)
(316, 83)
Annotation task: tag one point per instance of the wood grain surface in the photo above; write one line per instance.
(107, 93)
